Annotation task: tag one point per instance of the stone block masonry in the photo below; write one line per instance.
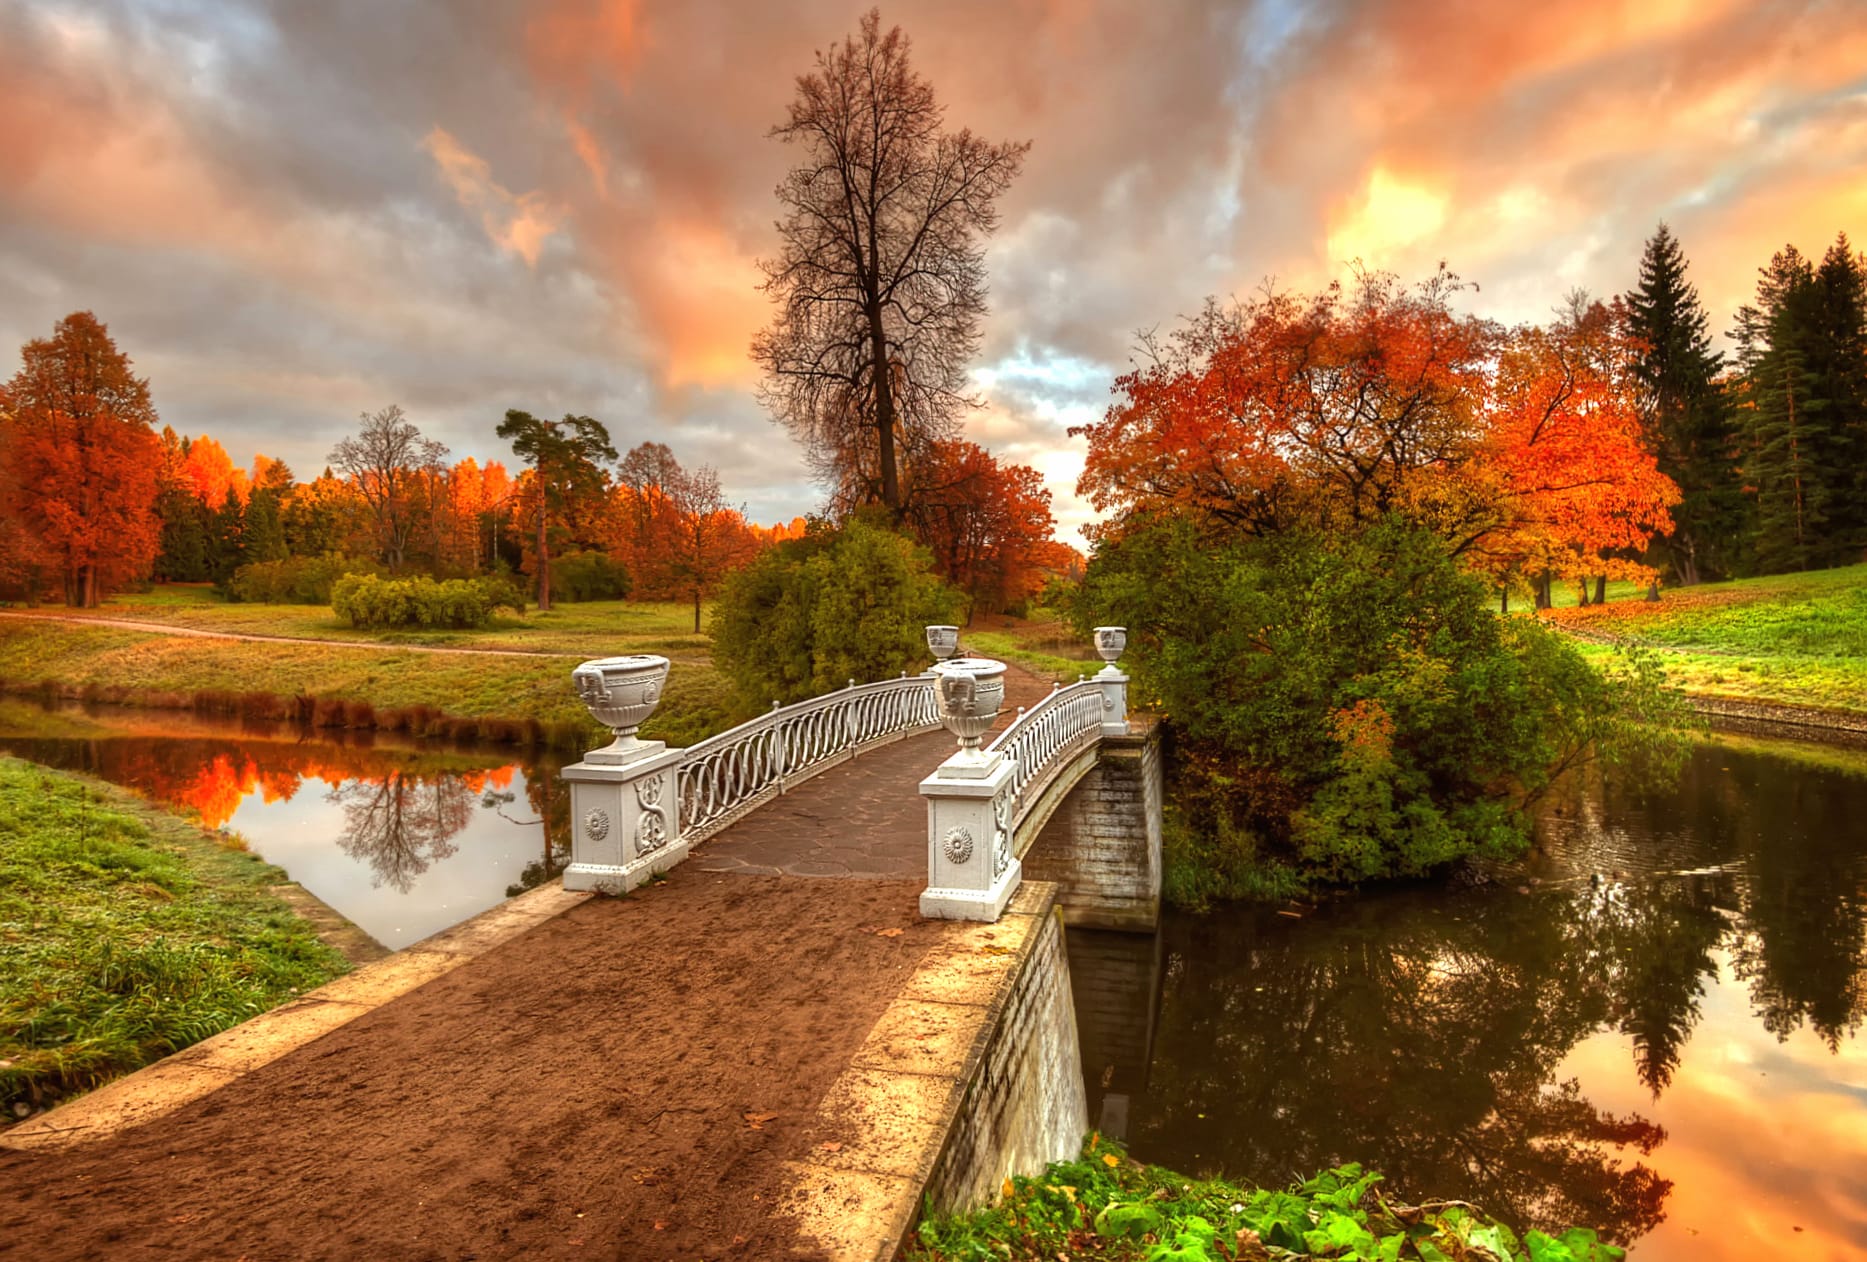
(971, 1075)
(1102, 846)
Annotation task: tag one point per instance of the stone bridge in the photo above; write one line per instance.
(866, 781)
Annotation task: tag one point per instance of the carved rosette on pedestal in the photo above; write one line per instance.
(623, 796)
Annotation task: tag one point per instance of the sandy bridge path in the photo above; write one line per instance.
(165, 628)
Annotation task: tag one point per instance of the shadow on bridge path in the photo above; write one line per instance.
(628, 1079)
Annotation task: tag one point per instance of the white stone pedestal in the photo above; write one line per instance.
(1114, 687)
(625, 822)
(971, 872)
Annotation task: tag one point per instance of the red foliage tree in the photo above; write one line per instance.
(79, 461)
(987, 523)
(212, 474)
(1521, 449)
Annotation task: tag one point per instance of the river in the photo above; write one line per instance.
(1655, 1029)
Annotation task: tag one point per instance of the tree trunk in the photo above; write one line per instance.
(1581, 595)
(1601, 589)
(544, 560)
(696, 611)
(1542, 591)
(1653, 592)
(884, 409)
(1503, 605)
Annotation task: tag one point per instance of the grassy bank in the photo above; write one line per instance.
(453, 695)
(1792, 639)
(590, 629)
(127, 933)
(1043, 647)
(1107, 1206)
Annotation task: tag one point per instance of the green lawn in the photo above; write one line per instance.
(1799, 639)
(145, 668)
(592, 629)
(1047, 648)
(127, 933)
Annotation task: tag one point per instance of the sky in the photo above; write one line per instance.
(290, 214)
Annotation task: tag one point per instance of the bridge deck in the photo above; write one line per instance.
(865, 818)
(635, 1077)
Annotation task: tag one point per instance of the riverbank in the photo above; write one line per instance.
(1789, 648)
(471, 695)
(127, 933)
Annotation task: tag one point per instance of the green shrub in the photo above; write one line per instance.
(295, 580)
(814, 613)
(368, 600)
(1108, 1206)
(579, 576)
(1350, 708)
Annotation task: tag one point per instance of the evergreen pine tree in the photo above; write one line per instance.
(1687, 415)
(262, 534)
(1838, 359)
(1787, 416)
(227, 539)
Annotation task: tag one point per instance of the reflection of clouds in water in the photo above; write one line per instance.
(1763, 1137)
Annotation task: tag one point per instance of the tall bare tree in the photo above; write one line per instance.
(880, 278)
(389, 461)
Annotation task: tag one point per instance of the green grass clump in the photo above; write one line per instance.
(127, 934)
(1107, 1206)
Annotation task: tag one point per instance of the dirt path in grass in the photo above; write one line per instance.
(582, 1091)
(166, 628)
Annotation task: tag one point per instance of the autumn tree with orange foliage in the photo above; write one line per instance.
(986, 522)
(1566, 460)
(1520, 449)
(78, 463)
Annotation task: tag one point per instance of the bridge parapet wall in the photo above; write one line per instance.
(1102, 845)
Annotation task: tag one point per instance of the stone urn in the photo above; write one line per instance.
(942, 642)
(1110, 643)
(620, 693)
(972, 691)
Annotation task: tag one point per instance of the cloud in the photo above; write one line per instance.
(290, 214)
(518, 222)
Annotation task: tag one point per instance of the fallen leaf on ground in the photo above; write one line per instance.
(997, 950)
(889, 933)
(830, 1145)
(1110, 1160)
(757, 1120)
(661, 1224)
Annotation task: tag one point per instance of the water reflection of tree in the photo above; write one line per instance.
(1392, 1032)
(550, 803)
(1424, 1033)
(1797, 922)
(402, 823)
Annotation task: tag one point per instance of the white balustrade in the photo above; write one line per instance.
(978, 798)
(1046, 737)
(639, 814)
(727, 775)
